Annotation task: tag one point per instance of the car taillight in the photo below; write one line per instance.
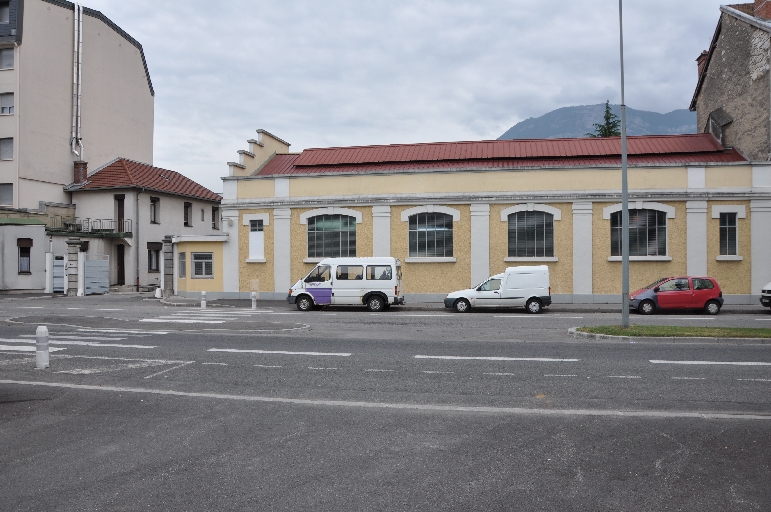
(396, 291)
(720, 294)
(290, 291)
(550, 291)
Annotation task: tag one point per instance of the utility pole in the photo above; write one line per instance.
(624, 187)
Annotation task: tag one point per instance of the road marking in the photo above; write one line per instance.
(376, 370)
(81, 343)
(52, 337)
(122, 331)
(106, 309)
(268, 366)
(314, 368)
(763, 319)
(534, 316)
(401, 315)
(695, 318)
(25, 348)
(689, 378)
(741, 363)
(427, 371)
(757, 380)
(169, 369)
(552, 375)
(171, 321)
(623, 376)
(500, 374)
(470, 358)
(507, 411)
(74, 308)
(220, 364)
(31, 307)
(282, 352)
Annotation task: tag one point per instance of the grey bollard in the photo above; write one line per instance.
(203, 300)
(254, 300)
(41, 358)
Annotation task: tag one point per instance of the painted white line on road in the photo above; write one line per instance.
(763, 319)
(508, 411)
(689, 378)
(535, 316)
(403, 315)
(500, 374)
(694, 318)
(427, 371)
(553, 375)
(314, 368)
(470, 358)
(122, 331)
(376, 370)
(268, 366)
(281, 352)
(108, 309)
(24, 348)
(757, 380)
(170, 321)
(52, 341)
(74, 308)
(219, 364)
(623, 376)
(63, 337)
(730, 363)
(31, 307)
(169, 369)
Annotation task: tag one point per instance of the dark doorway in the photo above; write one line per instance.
(119, 211)
(120, 262)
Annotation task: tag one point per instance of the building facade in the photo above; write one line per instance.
(73, 86)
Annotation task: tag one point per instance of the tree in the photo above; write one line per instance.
(611, 127)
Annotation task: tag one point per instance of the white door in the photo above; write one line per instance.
(319, 284)
(348, 286)
(514, 291)
(489, 294)
(59, 274)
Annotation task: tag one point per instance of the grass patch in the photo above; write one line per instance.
(663, 331)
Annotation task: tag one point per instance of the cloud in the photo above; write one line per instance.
(343, 72)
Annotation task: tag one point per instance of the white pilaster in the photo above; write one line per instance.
(582, 248)
(480, 243)
(696, 237)
(761, 178)
(282, 249)
(381, 231)
(231, 265)
(760, 217)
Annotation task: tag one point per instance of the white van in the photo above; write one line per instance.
(374, 282)
(765, 297)
(526, 287)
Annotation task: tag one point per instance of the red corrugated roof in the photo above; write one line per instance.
(651, 150)
(124, 173)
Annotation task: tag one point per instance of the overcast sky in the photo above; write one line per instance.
(356, 72)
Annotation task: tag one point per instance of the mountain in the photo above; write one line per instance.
(570, 122)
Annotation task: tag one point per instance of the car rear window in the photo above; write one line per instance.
(703, 284)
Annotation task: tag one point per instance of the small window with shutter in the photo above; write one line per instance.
(6, 149)
(6, 103)
(6, 193)
(6, 58)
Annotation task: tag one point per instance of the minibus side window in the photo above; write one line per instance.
(319, 274)
(379, 272)
(349, 272)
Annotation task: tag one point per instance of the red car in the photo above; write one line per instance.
(671, 293)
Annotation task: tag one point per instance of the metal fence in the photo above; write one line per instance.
(78, 225)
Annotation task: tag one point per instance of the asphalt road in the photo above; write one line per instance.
(174, 408)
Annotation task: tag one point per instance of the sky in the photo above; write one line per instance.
(360, 72)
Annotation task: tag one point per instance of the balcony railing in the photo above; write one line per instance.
(96, 226)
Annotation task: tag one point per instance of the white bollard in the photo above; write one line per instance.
(254, 300)
(203, 300)
(158, 293)
(41, 347)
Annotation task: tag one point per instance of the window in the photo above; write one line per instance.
(490, 286)
(320, 274)
(647, 233)
(203, 265)
(6, 149)
(531, 235)
(6, 58)
(182, 265)
(25, 249)
(702, 284)
(728, 234)
(6, 103)
(6, 193)
(430, 235)
(188, 214)
(379, 272)
(331, 236)
(215, 217)
(154, 256)
(155, 210)
(675, 285)
(5, 12)
(350, 272)
(256, 240)
(202, 215)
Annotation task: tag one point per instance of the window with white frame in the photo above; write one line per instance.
(6, 193)
(188, 214)
(203, 265)
(531, 234)
(729, 239)
(24, 246)
(6, 149)
(182, 265)
(647, 233)
(6, 58)
(331, 236)
(6, 103)
(430, 235)
(155, 210)
(256, 239)
(154, 256)
(215, 217)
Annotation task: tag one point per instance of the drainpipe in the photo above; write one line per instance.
(77, 75)
(136, 231)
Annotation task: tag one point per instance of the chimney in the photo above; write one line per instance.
(701, 61)
(763, 9)
(79, 171)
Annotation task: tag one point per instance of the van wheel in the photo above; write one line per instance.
(375, 303)
(534, 306)
(646, 307)
(712, 307)
(462, 306)
(304, 303)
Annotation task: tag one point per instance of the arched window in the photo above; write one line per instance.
(430, 235)
(331, 236)
(531, 234)
(647, 233)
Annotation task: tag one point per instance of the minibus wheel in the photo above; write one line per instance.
(304, 303)
(375, 303)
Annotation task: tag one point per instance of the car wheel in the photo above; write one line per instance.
(712, 307)
(462, 306)
(304, 303)
(375, 303)
(534, 306)
(646, 307)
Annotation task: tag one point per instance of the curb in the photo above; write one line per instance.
(573, 331)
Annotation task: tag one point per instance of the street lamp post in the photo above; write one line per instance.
(624, 187)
